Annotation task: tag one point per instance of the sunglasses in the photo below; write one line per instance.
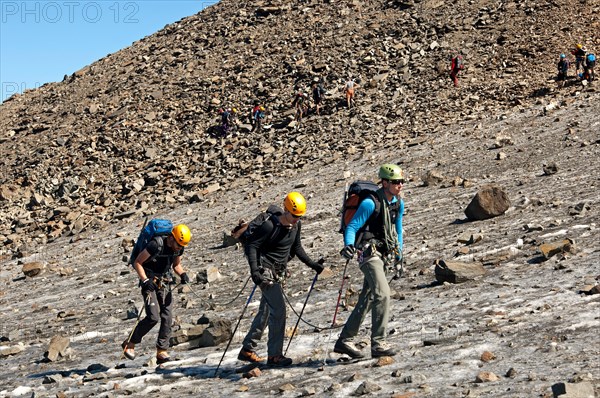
(396, 182)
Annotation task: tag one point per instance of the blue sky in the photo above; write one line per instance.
(41, 41)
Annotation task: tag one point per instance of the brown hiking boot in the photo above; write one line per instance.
(162, 356)
(279, 360)
(249, 356)
(128, 350)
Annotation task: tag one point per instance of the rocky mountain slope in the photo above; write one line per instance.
(84, 160)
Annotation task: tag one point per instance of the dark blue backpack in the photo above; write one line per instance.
(156, 227)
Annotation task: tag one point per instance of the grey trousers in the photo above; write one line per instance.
(158, 308)
(271, 312)
(375, 296)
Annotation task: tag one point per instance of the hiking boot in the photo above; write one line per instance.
(382, 350)
(249, 356)
(279, 360)
(162, 356)
(347, 348)
(128, 350)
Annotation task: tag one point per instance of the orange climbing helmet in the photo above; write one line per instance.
(182, 234)
(295, 203)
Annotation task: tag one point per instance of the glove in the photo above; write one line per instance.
(317, 266)
(148, 285)
(257, 277)
(398, 267)
(348, 252)
(185, 279)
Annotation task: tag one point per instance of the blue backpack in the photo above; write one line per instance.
(591, 60)
(156, 227)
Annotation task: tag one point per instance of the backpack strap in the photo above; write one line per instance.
(376, 219)
(160, 240)
(364, 233)
(276, 228)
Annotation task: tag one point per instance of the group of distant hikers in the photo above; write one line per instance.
(584, 61)
(303, 103)
(372, 231)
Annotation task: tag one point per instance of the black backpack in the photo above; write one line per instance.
(355, 194)
(245, 230)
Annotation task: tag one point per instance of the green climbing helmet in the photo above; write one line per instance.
(390, 171)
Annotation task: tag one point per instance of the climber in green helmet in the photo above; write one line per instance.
(375, 235)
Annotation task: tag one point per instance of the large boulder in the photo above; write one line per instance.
(573, 390)
(491, 201)
(217, 333)
(57, 348)
(457, 272)
(33, 268)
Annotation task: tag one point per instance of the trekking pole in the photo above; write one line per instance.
(235, 329)
(301, 312)
(340, 293)
(140, 312)
(191, 290)
(335, 313)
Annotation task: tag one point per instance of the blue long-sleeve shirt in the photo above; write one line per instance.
(364, 211)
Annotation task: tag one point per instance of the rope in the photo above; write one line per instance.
(305, 321)
(237, 296)
(288, 302)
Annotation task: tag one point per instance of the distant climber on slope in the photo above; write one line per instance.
(456, 65)
(563, 70)
(318, 93)
(579, 53)
(257, 115)
(300, 103)
(349, 90)
(590, 63)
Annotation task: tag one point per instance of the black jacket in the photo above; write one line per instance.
(274, 245)
(161, 256)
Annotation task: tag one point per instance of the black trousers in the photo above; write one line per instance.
(158, 308)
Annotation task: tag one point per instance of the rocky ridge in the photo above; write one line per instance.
(527, 327)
